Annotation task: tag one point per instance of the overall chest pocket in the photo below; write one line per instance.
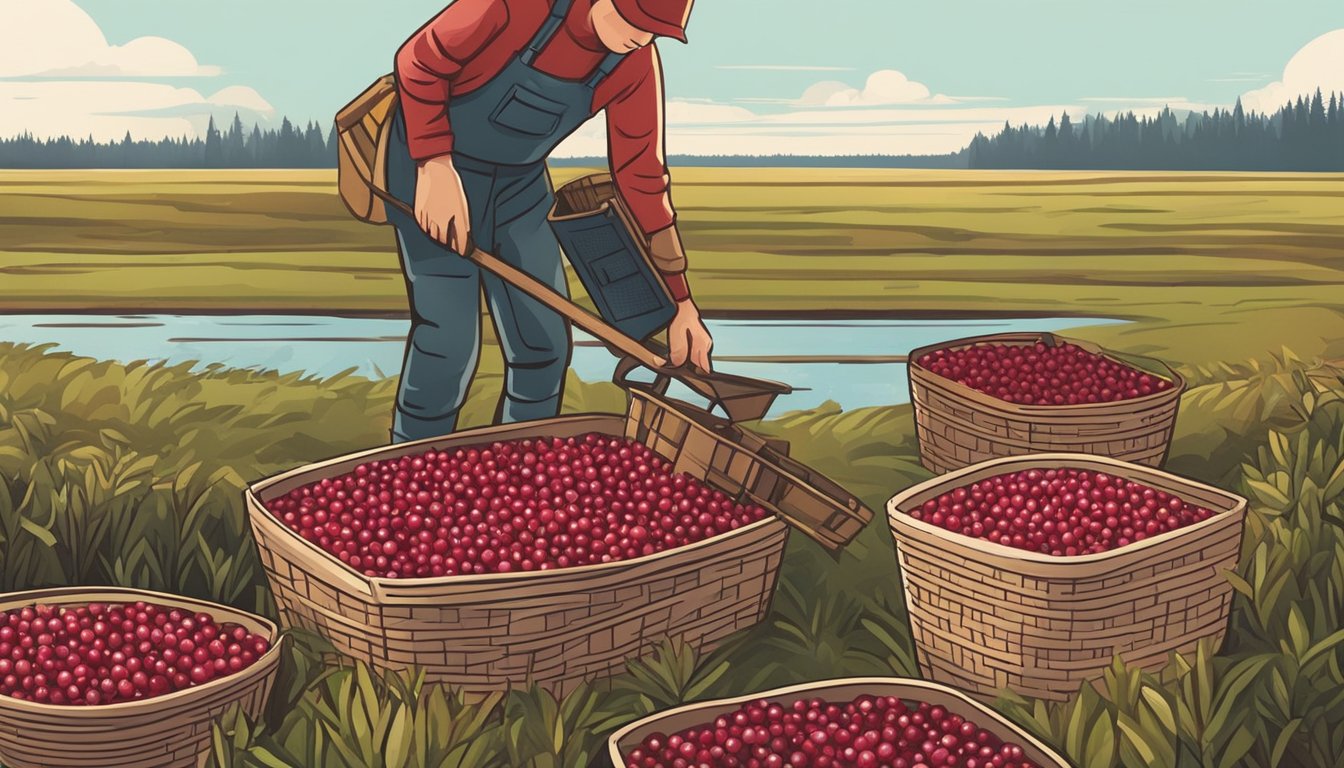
(525, 112)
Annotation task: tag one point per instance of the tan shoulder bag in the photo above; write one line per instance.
(362, 129)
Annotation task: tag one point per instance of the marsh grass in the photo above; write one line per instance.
(131, 475)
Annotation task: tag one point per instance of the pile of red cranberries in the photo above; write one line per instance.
(522, 505)
(1061, 512)
(109, 654)
(1041, 374)
(869, 732)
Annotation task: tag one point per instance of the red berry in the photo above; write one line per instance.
(867, 732)
(522, 505)
(1059, 512)
(1063, 374)
(59, 656)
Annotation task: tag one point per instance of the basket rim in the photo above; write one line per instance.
(981, 711)
(913, 367)
(84, 595)
(258, 512)
(492, 579)
(898, 516)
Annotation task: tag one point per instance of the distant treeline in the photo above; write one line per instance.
(1306, 135)
(955, 160)
(286, 147)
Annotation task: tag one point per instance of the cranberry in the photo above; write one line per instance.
(1040, 374)
(521, 505)
(1060, 512)
(59, 655)
(865, 733)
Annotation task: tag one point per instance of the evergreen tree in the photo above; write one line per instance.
(254, 148)
(1067, 153)
(214, 146)
(1307, 134)
(234, 149)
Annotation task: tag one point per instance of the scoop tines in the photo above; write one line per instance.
(741, 398)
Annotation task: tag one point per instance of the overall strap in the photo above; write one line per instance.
(605, 68)
(547, 31)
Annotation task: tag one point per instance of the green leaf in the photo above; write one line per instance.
(1323, 647)
(1083, 715)
(1334, 486)
(1232, 685)
(37, 531)
(1100, 751)
(1269, 494)
(399, 734)
(1237, 748)
(1161, 709)
(1135, 739)
(1298, 632)
(1285, 738)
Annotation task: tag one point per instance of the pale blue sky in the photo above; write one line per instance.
(1031, 57)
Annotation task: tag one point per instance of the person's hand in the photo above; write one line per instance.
(441, 203)
(689, 339)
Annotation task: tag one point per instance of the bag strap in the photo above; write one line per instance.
(605, 68)
(392, 200)
(547, 31)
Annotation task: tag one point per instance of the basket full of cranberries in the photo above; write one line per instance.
(1034, 572)
(849, 723)
(120, 677)
(1012, 394)
(544, 552)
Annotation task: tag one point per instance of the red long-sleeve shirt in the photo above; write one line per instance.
(471, 41)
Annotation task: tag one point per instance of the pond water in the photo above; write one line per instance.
(856, 363)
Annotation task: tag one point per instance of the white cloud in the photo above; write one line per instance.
(46, 44)
(1144, 106)
(56, 38)
(783, 68)
(243, 98)
(681, 112)
(107, 110)
(884, 87)
(1135, 99)
(700, 128)
(1319, 64)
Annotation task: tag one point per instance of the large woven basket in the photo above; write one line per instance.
(986, 616)
(672, 721)
(554, 628)
(958, 426)
(170, 731)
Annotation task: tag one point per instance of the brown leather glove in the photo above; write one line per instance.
(669, 256)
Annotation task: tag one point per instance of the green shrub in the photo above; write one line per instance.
(132, 475)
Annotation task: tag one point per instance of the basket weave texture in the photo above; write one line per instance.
(554, 628)
(672, 721)
(986, 616)
(958, 426)
(170, 731)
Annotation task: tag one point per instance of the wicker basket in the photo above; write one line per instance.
(555, 628)
(959, 426)
(986, 616)
(630, 737)
(170, 731)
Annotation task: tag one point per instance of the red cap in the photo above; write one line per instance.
(666, 18)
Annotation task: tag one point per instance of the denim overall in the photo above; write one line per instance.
(503, 132)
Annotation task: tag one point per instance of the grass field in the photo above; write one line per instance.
(131, 474)
(1236, 263)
